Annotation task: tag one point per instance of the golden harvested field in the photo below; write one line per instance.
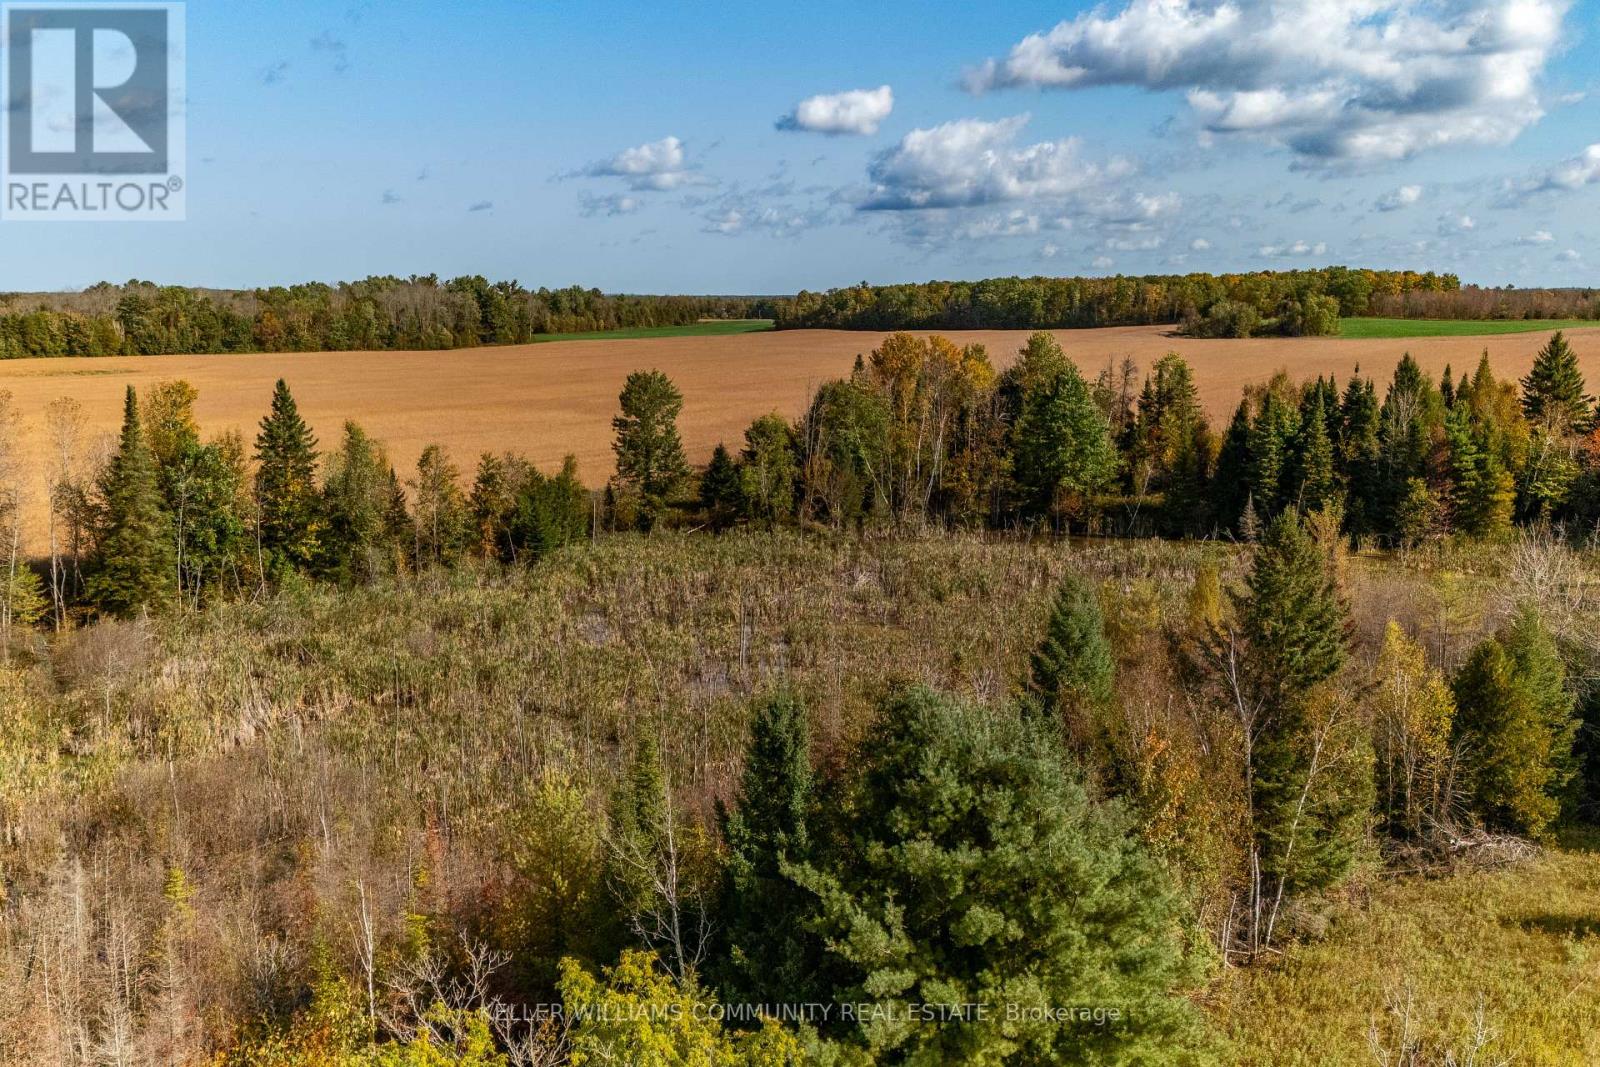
(549, 399)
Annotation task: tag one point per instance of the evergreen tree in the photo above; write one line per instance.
(290, 527)
(551, 512)
(1272, 437)
(650, 463)
(1358, 455)
(356, 504)
(966, 864)
(1552, 393)
(1411, 420)
(1516, 726)
(134, 567)
(768, 471)
(1072, 671)
(1307, 816)
(493, 504)
(1314, 461)
(440, 517)
(719, 488)
(1063, 450)
(1234, 464)
(769, 959)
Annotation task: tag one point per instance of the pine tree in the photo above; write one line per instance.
(134, 567)
(965, 856)
(650, 462)
(769, 960)
(286, 489)
(1552, 393)
(1072, 671)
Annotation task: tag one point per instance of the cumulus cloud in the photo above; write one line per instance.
(974, 162)
(859, 111)
(1337, 81)
(1298, 249)
(1537, 237)
(659, 165)
(1449, 225)
(1571, 255)
(1199, 244)
(1402, 197)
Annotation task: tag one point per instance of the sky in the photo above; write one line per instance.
(761, 148)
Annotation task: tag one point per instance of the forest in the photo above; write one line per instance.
(426, 313)
(380, 313)
(1301, 303)
(974, 717)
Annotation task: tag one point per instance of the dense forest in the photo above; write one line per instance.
(1276, 303)
(823, 753)
(143, 319)
(425, 312)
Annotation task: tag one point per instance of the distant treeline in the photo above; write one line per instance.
(1285, 303)
(420, 312)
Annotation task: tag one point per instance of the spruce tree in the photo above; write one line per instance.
(650, 462)
(286, 489)
(1314, 461)
(768, 958)
(134, 566)
(1072, 671)
(1306, 816)
(719, 488)
(1552, 393)
(1358, 454)
(1516, 727)
(1062, 445)
(1232, 479)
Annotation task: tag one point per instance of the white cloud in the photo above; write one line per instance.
(1571, 255)
(660, 165)
(1102, 262)
(859, 111)
(1456, 224)
(1404, 196)
(615, 204)
(1199, 244)
(1537, 237)
(973, 162)
(1337, 81)
(1566, 176)
(779, 221)
(1296, 250)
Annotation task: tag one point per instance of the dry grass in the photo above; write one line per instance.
(550, 399)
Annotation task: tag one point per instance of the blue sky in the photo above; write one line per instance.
(750, 148)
